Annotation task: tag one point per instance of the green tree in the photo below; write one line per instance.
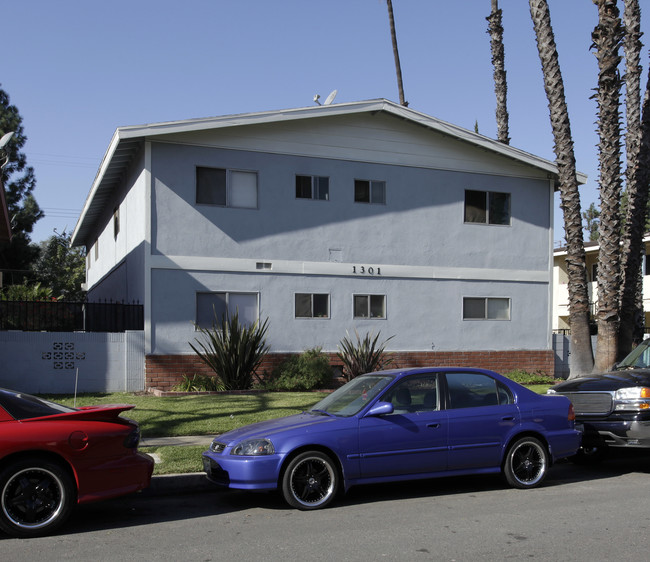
(61, 267)
(495, 30)
(19, 181)
(582, 354)
(592, 220)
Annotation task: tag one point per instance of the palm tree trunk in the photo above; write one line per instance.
(607, 37)
(637, 185)
(581, 351)
(398, 66)
(495, 30)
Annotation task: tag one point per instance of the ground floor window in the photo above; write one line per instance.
(370, 306)
(212, 307)
(486, 308)
(312, 305)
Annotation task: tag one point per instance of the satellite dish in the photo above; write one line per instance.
(331, 97)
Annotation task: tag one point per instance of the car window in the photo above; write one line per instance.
(638, 358)
(470, 390)
(353, 396)
(414, 394)
(22, 406)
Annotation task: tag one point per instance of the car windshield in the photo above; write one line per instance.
(353, 396)
(638, 358)
(22, 406)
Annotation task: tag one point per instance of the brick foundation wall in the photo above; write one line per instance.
(163, 372)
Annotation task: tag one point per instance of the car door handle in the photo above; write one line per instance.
(433, 425)
(508, 418)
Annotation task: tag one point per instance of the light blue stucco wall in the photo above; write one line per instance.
(429, 258)
(421, 223)
(423, 315)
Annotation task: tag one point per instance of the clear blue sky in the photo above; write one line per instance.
(78, 69)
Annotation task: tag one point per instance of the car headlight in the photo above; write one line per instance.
(254, 447)
(550, 391)
(634, 398)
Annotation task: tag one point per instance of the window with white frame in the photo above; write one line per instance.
(370, 191)
(370, 306)
(226, 188)
(486, 308)
(487, 207)
(212, 308)
(312, 305)
(313, 187)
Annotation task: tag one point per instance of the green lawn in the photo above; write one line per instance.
(207, 414)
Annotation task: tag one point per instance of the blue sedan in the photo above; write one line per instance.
(399, 425)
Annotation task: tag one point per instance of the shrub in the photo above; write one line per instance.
(233, 351)
(199, 383)
(307, 371)
(524, 377)
(363, 356)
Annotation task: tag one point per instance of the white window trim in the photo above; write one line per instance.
(312, 317)
(227, 293)
(229, 172)
(486, 319)
(369, 317)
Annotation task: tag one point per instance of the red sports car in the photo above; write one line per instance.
(53, 456)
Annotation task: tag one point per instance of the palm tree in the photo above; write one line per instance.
(637, 177)
(495, 30)
(607, 37)
(398, 67)
(581, 351)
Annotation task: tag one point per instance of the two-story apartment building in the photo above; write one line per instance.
(366, 217)
(560, 283)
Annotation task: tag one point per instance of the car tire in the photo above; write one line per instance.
(526, 463)
(36, 497)
(310, 481)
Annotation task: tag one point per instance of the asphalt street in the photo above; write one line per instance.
(580, 513)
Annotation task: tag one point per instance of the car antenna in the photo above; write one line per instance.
(76, 380)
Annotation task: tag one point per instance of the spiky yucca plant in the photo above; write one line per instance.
(363, 356)
(233, 350)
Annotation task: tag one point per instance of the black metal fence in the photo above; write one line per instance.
(61, 316)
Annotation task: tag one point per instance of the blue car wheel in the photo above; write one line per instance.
(310, 481)
(526, 463)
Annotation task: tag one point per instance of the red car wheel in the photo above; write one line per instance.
(36, 497)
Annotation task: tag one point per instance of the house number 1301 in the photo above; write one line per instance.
(364, 270)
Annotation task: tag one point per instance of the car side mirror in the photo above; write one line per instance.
(381, 408)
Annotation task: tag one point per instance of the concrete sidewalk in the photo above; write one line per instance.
(177, 483)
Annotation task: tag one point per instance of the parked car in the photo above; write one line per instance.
(612, 409)
(399, 425)
(53, 457)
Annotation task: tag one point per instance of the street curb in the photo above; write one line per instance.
(178, 483)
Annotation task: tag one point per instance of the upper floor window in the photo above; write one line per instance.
(312, 305)
(370, 191)
(487, 207)
(313, 187)
(486, 308)
(211, 308)
(227, 188)
(370, 306)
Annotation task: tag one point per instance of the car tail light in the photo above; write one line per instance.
(572, 413)
(132, 439)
